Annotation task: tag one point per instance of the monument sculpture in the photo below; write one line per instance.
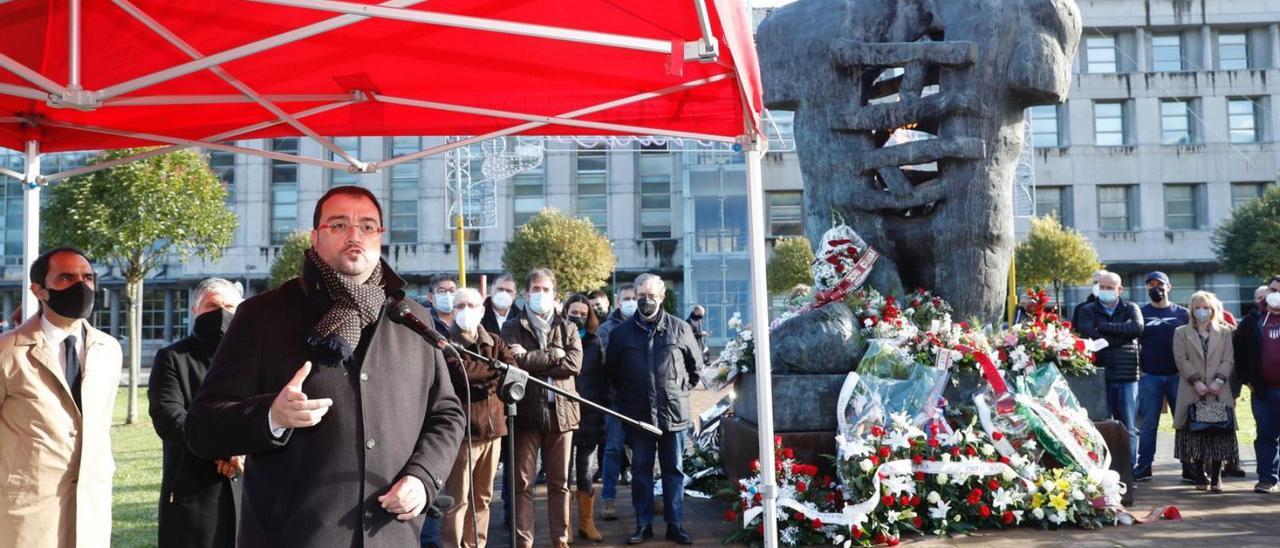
(908, 124)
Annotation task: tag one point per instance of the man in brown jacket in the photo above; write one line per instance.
(548, 348)
(476, 385)
(58, 379)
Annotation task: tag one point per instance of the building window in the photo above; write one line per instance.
(1183, 204)
(1176, 126)
(1100, 52)
(223, 165)
(786, 213)
(592, 181)
(1184, 284)
(12, 208)
(784, 122)
(1242, 193)
(720, 224)
(1054, 200)
(284, 191)
(342, 177)
(154, 314)
(1116, 208)
(1233, 51)
(530, 191)
(722, 299)
(1045, 130)
(1166, 53)
(402, 224)
(1109, 123)
(1242, 119)
(655, 191)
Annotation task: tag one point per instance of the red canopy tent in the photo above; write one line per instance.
(99, 74)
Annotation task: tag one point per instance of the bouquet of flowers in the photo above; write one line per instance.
(841, 265)
(803, 498)
(1061, 425)
(1043, 338)
(1066, 496)
(737, 357)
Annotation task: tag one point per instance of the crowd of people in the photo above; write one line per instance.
(1193, 361)
(336, 410)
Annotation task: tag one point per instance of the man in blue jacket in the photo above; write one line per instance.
(652, 361)
(1120, 323)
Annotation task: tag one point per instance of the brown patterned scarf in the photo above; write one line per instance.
(354, 307)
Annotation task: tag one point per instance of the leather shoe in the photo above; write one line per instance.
(642, 534)
(678, 535)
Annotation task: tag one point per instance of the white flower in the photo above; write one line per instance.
(954, 438)
(865, 465)
(893, 516)
(1009, 474)
(1038, 513)
(855, 447)
(897, 440)
(867, 322)
(1076, 494)
(946, 457)
(939, 510)
(933, 497)
(1017, 516)
(988, 449)
(942, 479)
(1002, 499)
(898, 484)
(1030, 445)
(1057, 518)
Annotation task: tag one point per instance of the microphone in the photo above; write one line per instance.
(399, 312)
(439, 506)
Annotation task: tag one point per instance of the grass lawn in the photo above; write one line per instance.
(136, 491)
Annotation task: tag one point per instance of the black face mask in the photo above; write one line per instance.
(212, 325)
(602, 311)
(696, 316)
(1157, 294)
(73, 302)
(646, 306)
(578, 321)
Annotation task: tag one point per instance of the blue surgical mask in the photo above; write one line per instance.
(1108, 296)
(1203, 314)
(541, 303)
(444, 302)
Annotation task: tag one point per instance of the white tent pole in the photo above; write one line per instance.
(24, 92)
(11, 173)
(174, 148)
(755, 150)
(73, 44)
(239, 52)
(25, 72)
(225, 99)
(240, 86)
(30, 224)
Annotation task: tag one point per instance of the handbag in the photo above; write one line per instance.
(1210, 416)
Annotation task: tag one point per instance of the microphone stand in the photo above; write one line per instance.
(511, 390)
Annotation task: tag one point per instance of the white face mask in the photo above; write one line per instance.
(1202, 314)
(541, 303)
(469, 318)
(502, 300)
(1273, 300)
(443, 302)
(628, 307)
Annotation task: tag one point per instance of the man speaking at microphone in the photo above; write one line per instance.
(349, 420)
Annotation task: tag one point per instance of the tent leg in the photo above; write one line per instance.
(755, 150)
(30, 224)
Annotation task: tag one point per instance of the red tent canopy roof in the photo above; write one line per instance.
(371, 76)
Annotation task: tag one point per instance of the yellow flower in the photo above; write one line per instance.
(1059, 502)
(1036, 500)
(1063, 485)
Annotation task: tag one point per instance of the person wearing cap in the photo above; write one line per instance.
(1159, 382)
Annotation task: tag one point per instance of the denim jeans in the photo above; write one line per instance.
(431, 532)
(1122, 405)
(1266, 412)
(615, 439)
(669, 450)
(1153, 391)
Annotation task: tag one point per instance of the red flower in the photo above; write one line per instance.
(889, 300)
(970, 451)
(885, 452)
(891, 541)
(964, 325)
(777, 441)
(826, 479)
(1093, 456)
(1080, 345)
(919, 476)
(730, 515)
(1004, 459)
(760, 528)
(917, 459)
(759, 497)
(874, 460)
(955, 451)
(997, 436)
(880, 538)
(831, 496)
(1008, 517)
(856, 532)
(933, 442)
(993, 485)
(755, 465)
(877, 431)
(788, 453)
(915, 500)
(917, 521)
(904, 500)
(799, 517)
(887, 500)
(816, 523)
(801, 487)
(975, 496)
(984, 511)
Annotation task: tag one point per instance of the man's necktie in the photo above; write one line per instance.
(73, 367)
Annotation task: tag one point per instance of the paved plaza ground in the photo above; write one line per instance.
(1236, 517)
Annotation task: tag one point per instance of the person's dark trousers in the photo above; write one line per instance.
(611, 468)
(1266, 413)
(1153, 392)
(506, 487)
(1122, 405)
(431, 532)
(669, 451)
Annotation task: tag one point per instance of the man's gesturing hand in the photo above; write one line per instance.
(292, 409)
(407, 498)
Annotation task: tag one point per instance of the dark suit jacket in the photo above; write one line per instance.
(394, 414)
(198, 505)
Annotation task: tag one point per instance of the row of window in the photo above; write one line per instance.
(1185, 204)
(1174, 51)
(1181, 122)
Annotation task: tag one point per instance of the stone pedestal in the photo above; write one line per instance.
(801, 403)
(739, 445)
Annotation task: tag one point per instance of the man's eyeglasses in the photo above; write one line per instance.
(365, 229)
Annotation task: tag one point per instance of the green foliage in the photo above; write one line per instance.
(138, 214)
(1246, 242)
(789, 266)
(288, 264)
(1055, 255)
(571, 247)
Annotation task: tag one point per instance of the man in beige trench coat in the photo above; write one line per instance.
(58, 379)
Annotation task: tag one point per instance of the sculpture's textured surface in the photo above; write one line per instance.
(967, 69)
